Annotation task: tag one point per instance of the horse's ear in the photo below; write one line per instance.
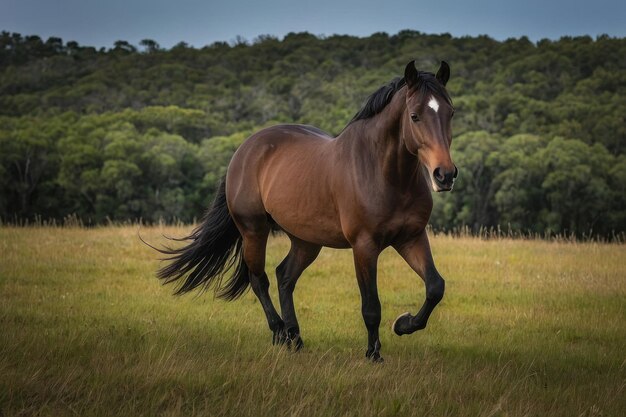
(410, 74)
(443, 75)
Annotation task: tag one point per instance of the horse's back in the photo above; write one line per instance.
(276, 148)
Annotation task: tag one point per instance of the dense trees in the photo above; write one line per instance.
(529, 183)
(145, 132)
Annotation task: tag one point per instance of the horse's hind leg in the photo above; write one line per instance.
(300, 256)
(254, 245)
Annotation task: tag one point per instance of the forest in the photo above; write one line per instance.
(142, 132)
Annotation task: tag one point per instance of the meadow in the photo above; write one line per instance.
(526, 328)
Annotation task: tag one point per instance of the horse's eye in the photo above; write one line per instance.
(414, 117)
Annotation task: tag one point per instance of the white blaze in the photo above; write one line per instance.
(433, 104)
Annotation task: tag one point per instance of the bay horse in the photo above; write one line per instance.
(366, 189)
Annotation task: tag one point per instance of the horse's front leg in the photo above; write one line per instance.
(419, 257)
(365, 262)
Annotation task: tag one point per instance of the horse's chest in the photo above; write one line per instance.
(407, 217)
(405, 223)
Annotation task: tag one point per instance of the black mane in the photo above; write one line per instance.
(379, 99)
(375, 103)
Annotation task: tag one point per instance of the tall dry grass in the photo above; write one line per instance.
(527, 327)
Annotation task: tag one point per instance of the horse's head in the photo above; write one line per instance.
(426, 124)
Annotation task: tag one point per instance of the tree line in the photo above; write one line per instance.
(133, 132)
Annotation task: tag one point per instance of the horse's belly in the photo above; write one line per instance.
(323, 232)
(305, 211)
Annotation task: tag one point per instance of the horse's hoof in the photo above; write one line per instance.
(374, 357)
(279, 336)
(296, 343)
(294, 340)
(377, 358)
(402, 324)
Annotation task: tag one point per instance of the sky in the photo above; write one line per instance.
(100, 23)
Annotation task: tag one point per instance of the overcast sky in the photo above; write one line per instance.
(201, 22)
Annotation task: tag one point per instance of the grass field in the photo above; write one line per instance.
(527, 328)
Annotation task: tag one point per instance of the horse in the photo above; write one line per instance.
(366, 189)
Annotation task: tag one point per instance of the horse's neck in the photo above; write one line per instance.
(380, 139)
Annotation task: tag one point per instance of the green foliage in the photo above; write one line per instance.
(122, 133)
(121, 173)
(530, 183)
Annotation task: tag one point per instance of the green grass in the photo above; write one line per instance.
(527, 328)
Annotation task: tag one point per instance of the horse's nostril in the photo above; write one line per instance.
(456, 172)
(437, 174)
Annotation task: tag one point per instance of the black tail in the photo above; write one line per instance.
(216, 246)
